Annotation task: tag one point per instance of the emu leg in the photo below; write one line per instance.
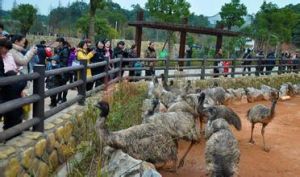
(263, 135)
(181, 162)
(251, 138)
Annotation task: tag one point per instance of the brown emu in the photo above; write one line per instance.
(264, 115)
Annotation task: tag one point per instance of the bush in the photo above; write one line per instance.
(274, 81)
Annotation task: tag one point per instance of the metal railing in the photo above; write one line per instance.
(202, 69)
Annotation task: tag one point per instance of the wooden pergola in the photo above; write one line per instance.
(183, 28)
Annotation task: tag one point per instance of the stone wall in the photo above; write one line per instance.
(40, 154)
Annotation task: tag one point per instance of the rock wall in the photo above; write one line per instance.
(40, 154)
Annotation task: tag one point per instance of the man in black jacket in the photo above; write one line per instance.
(63, 52)
(41, 52)
(120, 51)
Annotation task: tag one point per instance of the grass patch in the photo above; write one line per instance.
(126, 105)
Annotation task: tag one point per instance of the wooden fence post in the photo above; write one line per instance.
(38, 110)
(233, 67)
(106, 71)
(83, 77)
(203, 68)
(121, 67)
(167, 66)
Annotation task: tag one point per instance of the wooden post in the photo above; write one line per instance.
(219, 42)
(233, 68)
(38, 110)
(82, 88)
(120, 66)
(182, 43)
(139, 33)
(107, 75)
(203, 69)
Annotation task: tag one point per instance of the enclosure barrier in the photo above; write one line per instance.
(203, 69)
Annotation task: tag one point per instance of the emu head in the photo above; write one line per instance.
(210, 113)
(201, 99)
(214, 126)
(171, 83)
(274, 96)
(104, 108)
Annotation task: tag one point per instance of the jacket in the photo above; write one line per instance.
(20, 59)
(98, 57)
(63, 54)
(41, 53)
(83, 55)
(9, 63)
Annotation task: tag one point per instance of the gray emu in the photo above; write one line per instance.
(148, 142)
(264, 115)
(222, 154)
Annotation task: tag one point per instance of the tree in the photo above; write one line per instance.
(232, 14)
(171, 11)
(102, 28)
(94, 5)
(273, 26)
(26, 14)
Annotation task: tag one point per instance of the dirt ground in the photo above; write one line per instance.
(282, 136)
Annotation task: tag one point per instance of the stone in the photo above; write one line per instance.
(60, 152)
(59, 134)
(6, 151)
(57, 121)
(53, 160)
(287, 89)
(27, 157)
(66, 116)
(72, 142)
(40, 148)
(254, 95)
(267, 90)
(50, 142)
(49, 126)
(121, 164)
(13, 168)
(68, 129)
(32, 135)
(20, 142)
(42, 170)
(297, 88)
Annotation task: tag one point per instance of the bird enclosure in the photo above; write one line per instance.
(282, 137)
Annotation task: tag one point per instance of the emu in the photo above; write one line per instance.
(264, 115)
(221, 151)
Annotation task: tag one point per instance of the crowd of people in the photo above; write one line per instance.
(17, 58)
(264, 65)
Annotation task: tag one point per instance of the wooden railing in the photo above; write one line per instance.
(202, 69)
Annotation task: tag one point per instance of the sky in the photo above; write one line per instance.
(204, 7)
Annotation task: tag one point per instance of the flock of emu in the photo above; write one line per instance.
(172, 114)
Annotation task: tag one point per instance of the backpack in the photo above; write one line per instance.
(137, 66)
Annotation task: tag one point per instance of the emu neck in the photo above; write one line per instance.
(273, 108)
(102, 129)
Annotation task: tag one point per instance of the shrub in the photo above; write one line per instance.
(274, 81)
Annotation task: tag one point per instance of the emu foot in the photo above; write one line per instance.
(251, 141)
(266, 149)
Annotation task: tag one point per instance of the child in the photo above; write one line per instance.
(53, 81)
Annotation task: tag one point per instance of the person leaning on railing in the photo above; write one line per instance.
(10, 92)
(83, 55)
(98, 57)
